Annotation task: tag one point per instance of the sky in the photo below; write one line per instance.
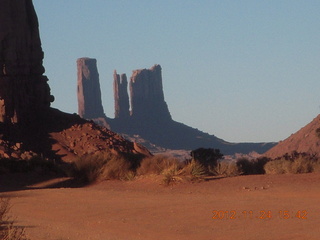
(243, 70)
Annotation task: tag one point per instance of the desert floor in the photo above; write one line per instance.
(144, 209)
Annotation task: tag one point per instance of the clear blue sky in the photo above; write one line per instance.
(243, 70)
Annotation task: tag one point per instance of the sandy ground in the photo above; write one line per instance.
(143, 209)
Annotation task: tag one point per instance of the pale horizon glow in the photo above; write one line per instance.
(245, 71)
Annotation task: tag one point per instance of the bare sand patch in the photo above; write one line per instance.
(143, 209)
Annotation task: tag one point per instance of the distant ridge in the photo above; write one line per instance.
(144, 114)
(304, 140)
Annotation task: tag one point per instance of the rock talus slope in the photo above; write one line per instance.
(304, 140)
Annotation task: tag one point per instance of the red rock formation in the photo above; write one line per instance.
(89, 93)
(25, 98)
(146, 93)
(24, 91)
(305, 140)
(121, 97)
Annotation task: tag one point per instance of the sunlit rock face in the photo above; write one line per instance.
(146, 94)
(24, 91)
(89, 93)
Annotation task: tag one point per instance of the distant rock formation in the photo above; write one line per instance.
(146, 95)
(24, 91)
(307, 140)
(150, 122)
(121, 97)
(89, 93)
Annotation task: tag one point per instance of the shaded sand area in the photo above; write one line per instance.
(143, 209)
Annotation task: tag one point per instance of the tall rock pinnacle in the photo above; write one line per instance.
(89, 93)
(24, 91)
(121, 97)
(146, 94)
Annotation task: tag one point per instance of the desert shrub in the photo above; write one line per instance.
(254, 166)
(157, 164)
(293, 163)
(103, 166)
(117, 168)
(171, 174)
(171, 169)
(88, 168)
(194, 170)
(279, 166)
(207, 157)
(8, 230)
(226, 169)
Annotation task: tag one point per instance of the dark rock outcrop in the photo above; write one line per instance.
(121, 97)
(29, 127)
(24, 91)
(89, 93)
(146, 95)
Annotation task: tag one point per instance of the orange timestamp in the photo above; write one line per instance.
(260, 214)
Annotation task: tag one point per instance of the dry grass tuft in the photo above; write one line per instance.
(156, 164)
(294, 163)
(8, 231)
(226, 169)
(171, 169)
(103, 166)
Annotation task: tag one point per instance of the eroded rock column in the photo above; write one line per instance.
(89, 93)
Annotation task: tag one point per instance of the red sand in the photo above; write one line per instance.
(143, 209)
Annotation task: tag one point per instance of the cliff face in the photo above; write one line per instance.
(89, 93)
(146, 93)
(25, 98)
(24, 91)
(121, 97)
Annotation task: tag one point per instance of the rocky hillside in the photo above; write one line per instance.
(304, 140)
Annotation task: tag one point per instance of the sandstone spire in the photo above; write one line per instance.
(121, 97)
(89, 93)
(24, 91)
(146, 93)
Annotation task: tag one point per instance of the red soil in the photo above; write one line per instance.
(143, 209)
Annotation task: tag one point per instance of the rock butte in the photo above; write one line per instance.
(150, 121)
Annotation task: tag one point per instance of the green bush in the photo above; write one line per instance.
(207, 157)
(254, 166)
